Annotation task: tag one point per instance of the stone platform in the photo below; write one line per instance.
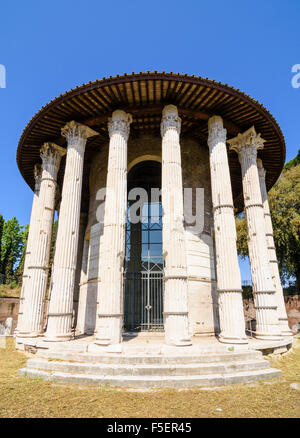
(145, 361)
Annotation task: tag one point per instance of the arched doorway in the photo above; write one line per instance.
(143, 275)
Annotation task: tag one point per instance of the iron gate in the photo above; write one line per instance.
(143, 310)
(143, 277)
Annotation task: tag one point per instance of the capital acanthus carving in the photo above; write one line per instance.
(73, 130)
(51, 154)
(120, 124)
(216, 132)
(247, 144)
(170, 119)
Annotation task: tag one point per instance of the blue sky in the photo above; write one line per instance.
(50, 47)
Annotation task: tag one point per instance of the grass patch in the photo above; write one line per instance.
(32, 398)
(6, 291)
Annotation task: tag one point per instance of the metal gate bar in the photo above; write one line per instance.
(143, 301)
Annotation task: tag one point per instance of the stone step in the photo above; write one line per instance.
(121, 359)
(154, 381)
(190, 369)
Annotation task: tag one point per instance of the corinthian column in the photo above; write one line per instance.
(231, 313)
(31, 240)
(246, 145)
(39, 260)
(174, 251)
(281, 310)
(110, 288)
(59, 326)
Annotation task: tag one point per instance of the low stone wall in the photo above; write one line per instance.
(9, 308)
(292, 304)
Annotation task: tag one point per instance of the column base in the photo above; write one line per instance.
(106, 342)
(228, 340)
(284, 328)
(102, 342)
(58, 338)
(179, 342)
(28, 334)
(109, 348)
(286, 333)
(267, 337)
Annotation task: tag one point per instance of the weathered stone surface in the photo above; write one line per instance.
(60, 313)
(36, 283)
(109, 320)
(281, 310)
(246, 145)
(174, 248)
(231, 315)
(9, 309)
(31, 240)
(8, 327)
(202, 293)
(181, 381)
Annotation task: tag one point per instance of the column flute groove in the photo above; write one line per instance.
(246, 145)
(59, 324)
(174, 250)
(109, 322)
(281, 309)
(231, 314)
(32, 319)
(31, 240)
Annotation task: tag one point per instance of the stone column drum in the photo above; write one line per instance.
(281, 310)
(39, 261)
(59, 325)
(174, 250)
(246, 145)
(110, 287)
(31, 241)
(231, 313)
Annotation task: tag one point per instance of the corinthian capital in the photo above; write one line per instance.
(73, 130)
(170, 119)
(247, 143)
(119, 123)
(51, 155)
(216, 132)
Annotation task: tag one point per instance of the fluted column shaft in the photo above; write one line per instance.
(174, 250)
(31, 240)
(110, 288)
(59, 325)
(39, 260)
(281, 310)
(246, 145)
(231, 313)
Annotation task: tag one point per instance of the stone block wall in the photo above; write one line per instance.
(9, 308)
(292, 304)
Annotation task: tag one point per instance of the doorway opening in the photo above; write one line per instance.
(143, 273)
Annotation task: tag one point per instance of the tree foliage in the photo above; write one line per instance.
(284, 200)
(13, 242)
(13, 239)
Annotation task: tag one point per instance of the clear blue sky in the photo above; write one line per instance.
(48, 47)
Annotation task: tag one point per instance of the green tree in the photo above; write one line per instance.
(20, 267)
(1, 234)
(294, 162)
(11, 248)
(53, 240)
(284, 200)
